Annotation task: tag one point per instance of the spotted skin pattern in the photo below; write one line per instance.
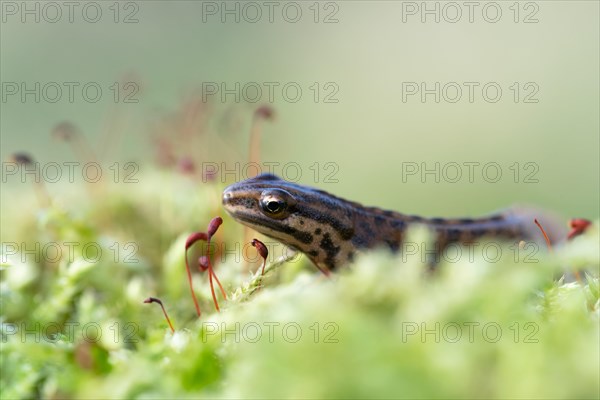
(330, 230)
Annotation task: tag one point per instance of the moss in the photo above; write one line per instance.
(383, 328)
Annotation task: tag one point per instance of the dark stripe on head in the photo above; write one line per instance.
(301, 236)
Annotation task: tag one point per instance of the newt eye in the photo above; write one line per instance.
(275, 202)
(274, 206)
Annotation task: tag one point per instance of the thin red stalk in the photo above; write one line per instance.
(155, 300)
(68, 132)
(82, 146)
(204, 262)
(189, 274)
(544, 233)
(577, 276)
(41, 193)
(110, 132)
(213, 226)
(212, 289)
(261, 114)
(193, 238)
(579, 226)
(220, 286)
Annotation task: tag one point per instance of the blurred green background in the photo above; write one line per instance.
(368, 53)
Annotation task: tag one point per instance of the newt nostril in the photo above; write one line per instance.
(227, 196)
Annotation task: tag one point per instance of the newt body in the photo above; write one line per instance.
(330, 230)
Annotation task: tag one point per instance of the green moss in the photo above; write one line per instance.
(383, 328)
